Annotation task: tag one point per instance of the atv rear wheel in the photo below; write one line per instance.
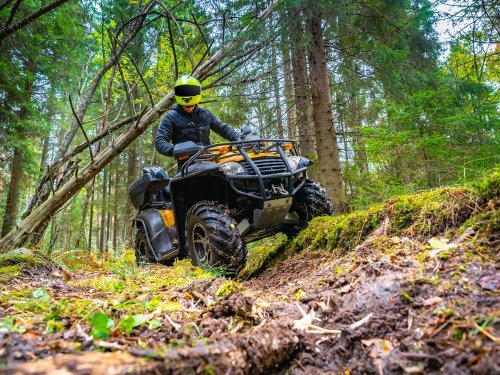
(213, 238)
(311, 201)
(143, 254)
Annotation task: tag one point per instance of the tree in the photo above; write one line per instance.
(74, 184)
(329, 167)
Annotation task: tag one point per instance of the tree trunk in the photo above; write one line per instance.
(3, 174)
(131, 175)
(291, 112)
(16, 165)
(102, 226)
(329, 168)
(84, 101)
(276, 86)
(91, 218)
(115, 210)
(260, 351)
(85, 207)
(305, 125)
(108, 209)
(12, 204)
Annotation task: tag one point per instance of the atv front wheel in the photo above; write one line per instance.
(213, 238)
(142, 250)
(311, 201)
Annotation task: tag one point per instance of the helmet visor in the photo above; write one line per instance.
(187, 90)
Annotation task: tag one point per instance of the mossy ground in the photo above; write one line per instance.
(423, 265)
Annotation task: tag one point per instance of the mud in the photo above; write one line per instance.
(401, 306)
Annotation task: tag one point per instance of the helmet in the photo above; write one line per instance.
(187, 91)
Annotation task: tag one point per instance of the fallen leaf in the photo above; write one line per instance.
(381, 348)
(432, 301)
(490, 282)
(436, 251)
(414, 370)
(437, 243)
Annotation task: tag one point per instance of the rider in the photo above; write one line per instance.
(187, 121)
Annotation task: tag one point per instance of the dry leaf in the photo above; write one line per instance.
(437, 243)
(381, 348)
(432, 301)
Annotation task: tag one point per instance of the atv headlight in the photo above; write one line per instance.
(231, 168)
(294, 162)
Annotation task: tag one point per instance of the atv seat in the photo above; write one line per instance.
(151, 187)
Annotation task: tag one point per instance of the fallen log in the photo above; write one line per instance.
(257, 351)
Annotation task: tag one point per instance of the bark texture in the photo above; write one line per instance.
(305, 124)
(329, 168)
(259, 351)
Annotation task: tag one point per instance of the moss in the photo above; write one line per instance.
(487, 222)
(7, 273)
(261, 252)
(228, 288)
(18, 256)
(489, 188)
(419, 215)
(407, 296)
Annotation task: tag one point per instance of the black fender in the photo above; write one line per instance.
(161, 239)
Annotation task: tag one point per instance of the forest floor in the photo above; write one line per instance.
(408, 286)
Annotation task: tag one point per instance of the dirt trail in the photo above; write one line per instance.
(394, 304)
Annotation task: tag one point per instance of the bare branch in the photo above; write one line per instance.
(172, 45)
(81, 127)
(26, 21)
(183, 37)
(5, 3)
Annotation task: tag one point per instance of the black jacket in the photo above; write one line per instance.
(179, 126)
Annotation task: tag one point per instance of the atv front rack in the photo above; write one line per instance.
(207, 154)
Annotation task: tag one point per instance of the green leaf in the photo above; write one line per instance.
(101, 324)
(54, 326)
(139, 319)
(41, 294)
(131, 321)
(127, 324)
(154, 324)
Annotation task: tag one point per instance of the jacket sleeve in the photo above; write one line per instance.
(164, 136)
(225, 131)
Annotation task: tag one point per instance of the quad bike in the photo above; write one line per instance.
(224, 196)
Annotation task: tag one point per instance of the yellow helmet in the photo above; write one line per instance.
(187, 91)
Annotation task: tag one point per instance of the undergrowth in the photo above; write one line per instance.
(444, 211)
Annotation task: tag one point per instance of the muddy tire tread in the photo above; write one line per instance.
(221, 233)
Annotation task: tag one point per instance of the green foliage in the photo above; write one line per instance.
(131, 321)
(422, 215)
(489, 188)
(101, 325)
(229, 287)
(259, 252)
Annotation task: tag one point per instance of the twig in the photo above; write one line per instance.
(359, 323)
(9, 30)
(175, 325)
(141, 77)
(172, 45)
(198, 26)
(183, 37)
(81, 127)
(495, 339)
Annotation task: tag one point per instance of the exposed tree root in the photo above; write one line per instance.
(253, 352)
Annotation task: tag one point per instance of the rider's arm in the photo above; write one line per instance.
(164, 135)
(225, 131)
